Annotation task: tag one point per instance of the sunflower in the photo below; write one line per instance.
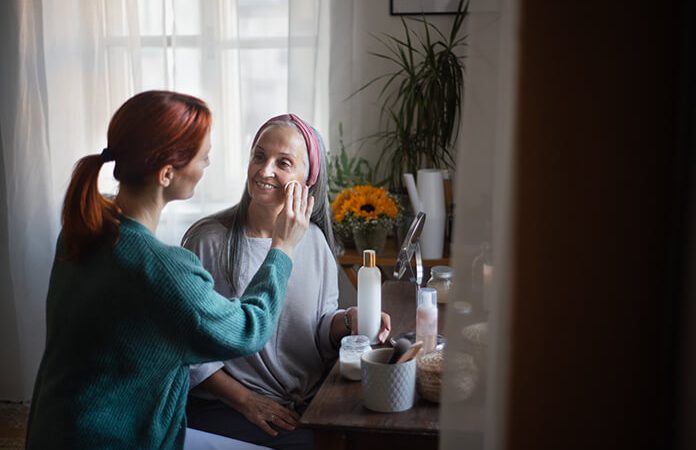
(365, 204)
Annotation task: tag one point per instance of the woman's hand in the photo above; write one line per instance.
(384, 327)
(256, 408)
(263, 412)
(293, 220)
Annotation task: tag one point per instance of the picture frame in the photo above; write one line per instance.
(422, 7)
(437, 7)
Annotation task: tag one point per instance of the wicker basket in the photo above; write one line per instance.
(429, 376)
(466, 367)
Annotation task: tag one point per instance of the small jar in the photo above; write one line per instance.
(352, 348)
(441, 281)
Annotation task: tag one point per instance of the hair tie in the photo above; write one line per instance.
(106, 155)
(310, 139)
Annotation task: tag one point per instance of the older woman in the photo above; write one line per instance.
(127, 314)
(258, 398)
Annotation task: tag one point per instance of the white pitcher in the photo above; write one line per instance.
(429, 196)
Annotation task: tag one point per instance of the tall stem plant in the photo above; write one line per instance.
(422, 97)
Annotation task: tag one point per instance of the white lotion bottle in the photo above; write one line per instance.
(369, 297)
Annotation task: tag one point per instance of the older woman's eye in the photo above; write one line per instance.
(258, 157)
(285, 164)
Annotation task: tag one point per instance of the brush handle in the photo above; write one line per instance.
(411, 352)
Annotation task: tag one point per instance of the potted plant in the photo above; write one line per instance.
(370, 212)
(422, 96)
(345, 172)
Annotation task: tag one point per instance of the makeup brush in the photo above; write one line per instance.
(401, 346)
(411, 352)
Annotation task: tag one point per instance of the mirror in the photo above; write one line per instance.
(410, 247)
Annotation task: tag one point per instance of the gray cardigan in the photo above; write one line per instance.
(289, 367)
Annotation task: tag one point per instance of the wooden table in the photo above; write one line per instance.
(386, 260)
(337, 415)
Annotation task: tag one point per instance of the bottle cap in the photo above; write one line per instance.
(369, 258)
(427, 296)
(444, 272)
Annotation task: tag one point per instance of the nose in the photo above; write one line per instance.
(266, 169)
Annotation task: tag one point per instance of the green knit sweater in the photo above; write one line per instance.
(122, 328)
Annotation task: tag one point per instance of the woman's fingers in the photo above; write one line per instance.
(310, 208)
(385, 328)
(261, 423)
(353, 312)
(290, 196)
(298, 200)
(299, 192)
(270, 413)
(293, 220)
(284, 422)
(285, 188)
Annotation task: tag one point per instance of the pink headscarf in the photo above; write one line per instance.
(310, 140)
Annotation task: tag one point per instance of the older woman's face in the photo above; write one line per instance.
(279, 156)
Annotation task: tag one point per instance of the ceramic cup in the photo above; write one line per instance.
(387, 387)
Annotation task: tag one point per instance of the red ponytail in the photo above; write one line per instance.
(149, 131)
(89, 219)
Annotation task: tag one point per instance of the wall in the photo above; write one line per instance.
(353, 25)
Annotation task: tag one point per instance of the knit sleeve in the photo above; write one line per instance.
(229, 328)
(201, 323)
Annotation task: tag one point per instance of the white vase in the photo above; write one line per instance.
(432, 198)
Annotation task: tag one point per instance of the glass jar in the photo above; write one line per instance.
(441, 281)
(352, 348)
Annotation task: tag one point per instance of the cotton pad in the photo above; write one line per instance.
(291, 182)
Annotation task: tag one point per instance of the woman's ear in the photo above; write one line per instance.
(165, 175)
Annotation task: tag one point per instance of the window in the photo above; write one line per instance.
(249, 59)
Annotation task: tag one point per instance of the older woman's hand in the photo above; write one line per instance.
(293, 220)
(384, 327)
(264, 412)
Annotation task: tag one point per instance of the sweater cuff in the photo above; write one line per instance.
(281, 260)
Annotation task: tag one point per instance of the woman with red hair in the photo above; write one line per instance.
(126, 314)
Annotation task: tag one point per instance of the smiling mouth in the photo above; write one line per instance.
(265, 186)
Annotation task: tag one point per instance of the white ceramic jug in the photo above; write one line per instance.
(429, 196)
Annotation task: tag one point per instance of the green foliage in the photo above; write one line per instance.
(346, 171)
(422, 96)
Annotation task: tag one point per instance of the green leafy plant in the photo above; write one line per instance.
(347, 171)
(422, 96)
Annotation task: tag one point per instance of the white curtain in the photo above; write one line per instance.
(248, 59)
(472, 406)
(31, 225)
(483, 184)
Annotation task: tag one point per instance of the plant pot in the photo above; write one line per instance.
(407, 216)
(370, 236)
(344, 234)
